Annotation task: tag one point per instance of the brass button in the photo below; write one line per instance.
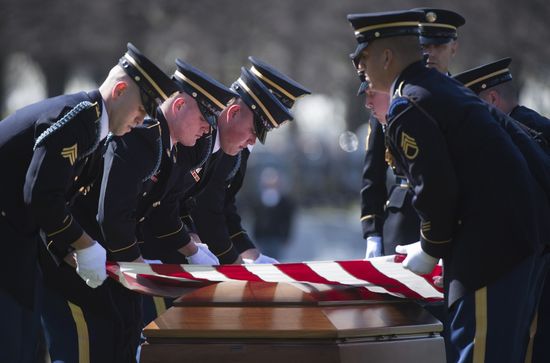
(3, 213)
(156, 204)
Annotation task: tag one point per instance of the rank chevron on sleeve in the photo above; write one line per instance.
(70, 153)
(380, 275)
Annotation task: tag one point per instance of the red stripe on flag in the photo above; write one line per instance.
(237, 272)
(173, 271)
(365, 271)
(113, 270)
(302, 272)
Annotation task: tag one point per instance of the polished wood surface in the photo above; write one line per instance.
(293, 322)
(420, 349)
(271, 323)
(253, 293)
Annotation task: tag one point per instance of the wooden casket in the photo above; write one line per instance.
(284, 322)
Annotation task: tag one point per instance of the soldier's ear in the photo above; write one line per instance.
(232, 111)
(178, 103)
(119, 88)
(494, 97)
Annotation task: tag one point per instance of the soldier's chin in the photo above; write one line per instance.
(230, 149)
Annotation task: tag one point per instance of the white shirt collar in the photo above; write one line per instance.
(217, 143)
(104, 122)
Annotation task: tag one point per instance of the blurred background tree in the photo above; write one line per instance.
(53, 47)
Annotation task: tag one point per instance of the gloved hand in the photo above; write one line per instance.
(374, 246)
(260, 260)
(417, 260)
(203, 256)
(90, 264)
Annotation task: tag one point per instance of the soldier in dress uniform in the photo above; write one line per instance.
(213, 161)
(439, 37)
(493, 83)
(141, 169)
(387, 216)
(266, 113)
(487, 229)
(52, 149)
(226, 237)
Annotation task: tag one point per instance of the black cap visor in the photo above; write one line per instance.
(261, 131)
(356, 55)
(149, 103)
(211, 118)
(435, 40)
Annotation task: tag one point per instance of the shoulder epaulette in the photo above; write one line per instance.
(398, 106)
(84, 105)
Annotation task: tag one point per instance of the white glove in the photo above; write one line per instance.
(374, 246)
(260, 260)
(203, 256)
(90, 264)
(417, 260)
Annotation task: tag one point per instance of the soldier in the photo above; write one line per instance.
(52, 149)
(227, 238)
(140, 171)
(439, 37)
(493, 83)
(249, 116)
(387, 223)
(267, 113)
(453, 154)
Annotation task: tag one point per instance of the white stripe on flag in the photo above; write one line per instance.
(269, 273)
(332, 271)
(413, 281)
(136, 268)
(206, 272)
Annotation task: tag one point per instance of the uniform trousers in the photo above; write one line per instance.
(491, 324)
(541, 348)
(21, 331)
(81, 333)
(82, 324)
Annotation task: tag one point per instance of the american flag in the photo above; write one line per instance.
(379, 276)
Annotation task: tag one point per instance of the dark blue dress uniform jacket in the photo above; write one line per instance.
(158, 245)
(533, 120)
(215, 215)
(386, 208)
(202, 193)
(139, 191)
(39, 184)
(474, 192)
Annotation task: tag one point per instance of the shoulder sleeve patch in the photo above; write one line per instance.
(398, 106)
